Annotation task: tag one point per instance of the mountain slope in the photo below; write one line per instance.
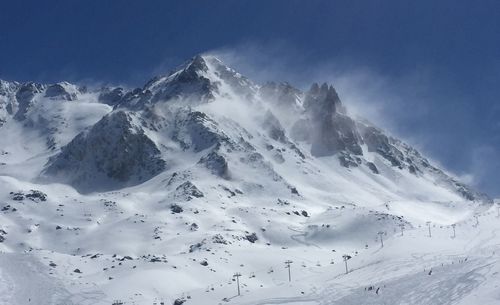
(191, 177)
(114, 150)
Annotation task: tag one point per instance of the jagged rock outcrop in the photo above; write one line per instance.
(115, 152)
(273, 127)
(379, 143)
(7, 100)
(24, 97)
(64, 90)
(174, 115)
(187, 191)
(326, 126)
(111, 96)
(216, 163)
(195, 130)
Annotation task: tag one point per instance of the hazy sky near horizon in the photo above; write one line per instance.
(428, 71)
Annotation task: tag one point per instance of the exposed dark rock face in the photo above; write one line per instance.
(187, 82)
(216, 163)
(8, 102)
(188, 190)
(195, 130)
(193, 227)
(372, 167)
(322, 102)
(335, 134)
(273, 127)
(7, 88)
(111, 97)
(2, 235)
(405, 157)
(241, 85)
(113, 153)
(196, 246)
(24, 97)
(377, 142)
(176, 209)
(136, 99)
(397, 153)
(59, 91)
(252, 237)
(349, 160)
(179, 301)
(327, 127)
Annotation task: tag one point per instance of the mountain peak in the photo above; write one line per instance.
(189, 70)
(203, 62)
(7, 87)
(200, 79)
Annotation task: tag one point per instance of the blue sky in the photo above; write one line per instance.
(429, 71)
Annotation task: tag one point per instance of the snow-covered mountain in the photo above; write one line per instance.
(196, 173)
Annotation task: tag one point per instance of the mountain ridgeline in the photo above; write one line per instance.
(206, 122)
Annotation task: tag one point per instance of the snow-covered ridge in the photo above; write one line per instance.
(315, 120)
(200, 171)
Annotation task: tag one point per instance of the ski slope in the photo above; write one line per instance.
(412, 268)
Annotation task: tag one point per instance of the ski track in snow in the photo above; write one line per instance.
(448, 285)
(27, 283)
(452, 278)
(300, 238)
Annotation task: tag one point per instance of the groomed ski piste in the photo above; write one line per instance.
(412, 267)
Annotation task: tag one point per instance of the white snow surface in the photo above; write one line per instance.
(248, 202)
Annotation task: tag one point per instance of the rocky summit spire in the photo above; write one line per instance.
(322, 100)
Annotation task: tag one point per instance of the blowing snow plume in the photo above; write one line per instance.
(103, 184)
